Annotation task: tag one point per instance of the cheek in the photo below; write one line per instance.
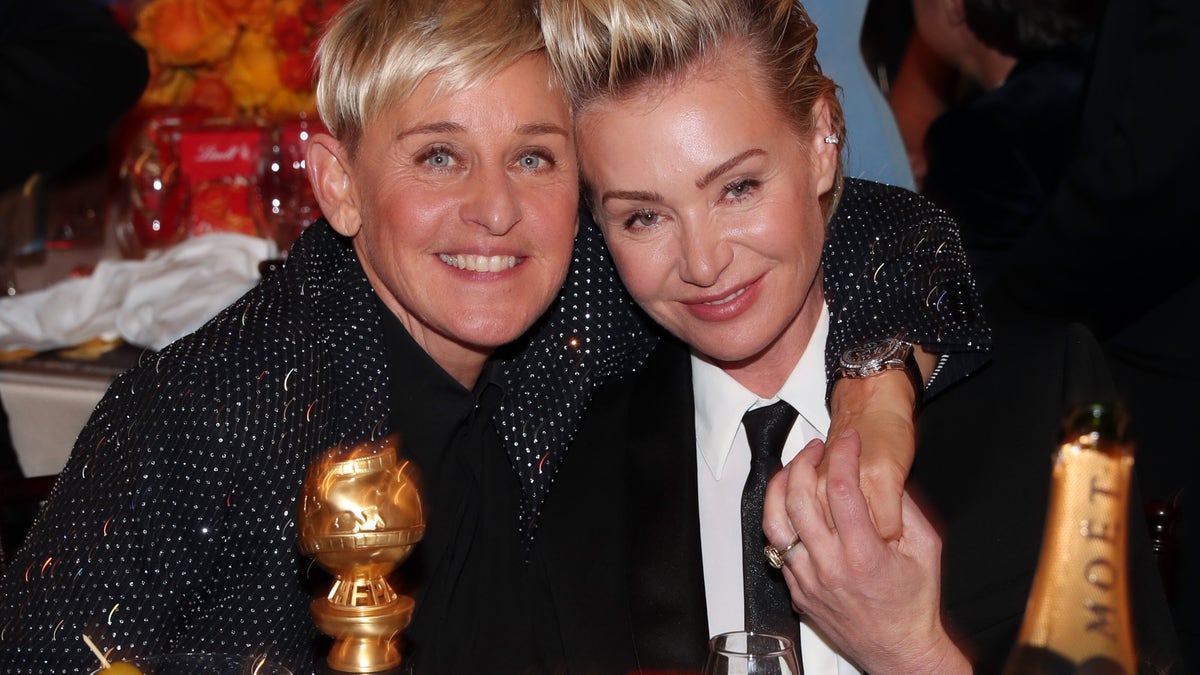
(391, 206)
(637, 267)
(795, 230)
(555, 213)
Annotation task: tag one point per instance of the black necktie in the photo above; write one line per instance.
(768, 603)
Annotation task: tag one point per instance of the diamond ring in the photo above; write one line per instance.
(775, 556)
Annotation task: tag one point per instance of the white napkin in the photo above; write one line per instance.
(148, 303)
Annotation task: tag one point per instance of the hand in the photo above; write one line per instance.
(877, 600)
(880, 409)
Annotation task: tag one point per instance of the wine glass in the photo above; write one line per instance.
(287, 196)
(749, 653)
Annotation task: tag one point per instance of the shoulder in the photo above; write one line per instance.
(1038, 369)
(878, 216)
(279, 355)
(321, 291)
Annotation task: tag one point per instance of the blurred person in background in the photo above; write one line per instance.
(1114, 249)
(994, 160)
(68, 73)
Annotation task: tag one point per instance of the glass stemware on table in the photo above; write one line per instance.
(748, 653)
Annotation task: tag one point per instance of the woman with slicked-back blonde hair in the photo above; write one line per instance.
(710, 153)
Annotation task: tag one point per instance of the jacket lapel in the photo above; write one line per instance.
(335, 299)
(666, 583)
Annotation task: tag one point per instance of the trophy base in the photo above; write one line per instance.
(365, 638)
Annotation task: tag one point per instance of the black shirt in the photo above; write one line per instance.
(468, 574)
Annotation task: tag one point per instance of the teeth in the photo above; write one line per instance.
(727, 298)
(480, 263)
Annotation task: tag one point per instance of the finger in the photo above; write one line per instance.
(797, 574)
(804, 508)
(776, 523)
(812, 454)
(823, 487)
(847, 504)
(838, 426)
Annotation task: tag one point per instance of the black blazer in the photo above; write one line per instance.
(632, 600)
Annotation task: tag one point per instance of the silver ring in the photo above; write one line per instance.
(775, 556)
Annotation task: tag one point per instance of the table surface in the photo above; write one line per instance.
(49, 397)
(55, 364)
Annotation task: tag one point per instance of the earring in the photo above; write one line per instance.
(831, 139)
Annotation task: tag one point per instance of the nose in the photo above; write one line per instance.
(704, 253)
(491, 201)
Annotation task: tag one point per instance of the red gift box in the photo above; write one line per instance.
(185, 175)
(219, 166)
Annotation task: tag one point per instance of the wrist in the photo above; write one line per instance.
(888, 391)
(876, 358)
(942, 657)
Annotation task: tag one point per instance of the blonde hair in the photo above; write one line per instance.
(375, 53)
(604, 50)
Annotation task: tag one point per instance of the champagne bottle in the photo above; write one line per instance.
(1077, 620)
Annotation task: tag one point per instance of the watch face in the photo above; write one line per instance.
(869, 352)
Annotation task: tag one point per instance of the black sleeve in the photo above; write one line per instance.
(99, 560)
(894, 262)
(68, 72)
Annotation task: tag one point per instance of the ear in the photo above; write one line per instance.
(825, 154)
(332, 179)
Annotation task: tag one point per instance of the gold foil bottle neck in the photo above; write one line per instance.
(1078, 611)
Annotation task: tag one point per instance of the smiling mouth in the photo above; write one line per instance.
(480, 263)
(729, 298)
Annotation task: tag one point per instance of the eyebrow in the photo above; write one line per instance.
(432, 128)
(541, 129)
(631, 195)
(728, 164)
(530, 129)
(702, 182)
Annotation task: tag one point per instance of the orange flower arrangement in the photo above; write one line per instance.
(233, 57)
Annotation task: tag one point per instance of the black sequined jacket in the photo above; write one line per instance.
(172, 527)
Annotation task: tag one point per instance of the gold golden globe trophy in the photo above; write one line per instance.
(360, 516)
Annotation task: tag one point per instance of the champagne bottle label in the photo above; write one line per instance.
(1078, 609)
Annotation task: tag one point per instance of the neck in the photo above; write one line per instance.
(462, 362)
(765, 373)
